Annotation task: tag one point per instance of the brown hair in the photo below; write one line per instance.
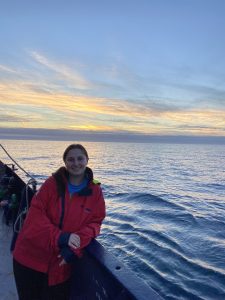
(75, 146)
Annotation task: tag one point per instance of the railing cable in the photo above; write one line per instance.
(17, 163)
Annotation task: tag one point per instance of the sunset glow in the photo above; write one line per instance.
(71, 82)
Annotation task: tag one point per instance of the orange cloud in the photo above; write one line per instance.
(41, 103)
(132, 117)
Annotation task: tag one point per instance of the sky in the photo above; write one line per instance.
(152, 67)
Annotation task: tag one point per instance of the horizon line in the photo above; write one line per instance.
(103, 136)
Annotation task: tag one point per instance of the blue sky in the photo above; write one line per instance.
(151, 67)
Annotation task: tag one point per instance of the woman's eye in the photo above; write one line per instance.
(70, 159)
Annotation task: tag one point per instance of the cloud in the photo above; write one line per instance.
(12, 117)
(67, 100)
(8, 69)
(9, 118)
(24, 94)
(63, 71)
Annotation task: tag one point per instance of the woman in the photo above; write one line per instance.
(65, 214)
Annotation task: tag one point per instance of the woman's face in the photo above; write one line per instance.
(76, 162)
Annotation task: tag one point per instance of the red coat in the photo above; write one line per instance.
(37, 244)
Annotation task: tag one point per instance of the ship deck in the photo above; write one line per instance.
(7, 284)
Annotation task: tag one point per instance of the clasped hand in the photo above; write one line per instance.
(74, 241)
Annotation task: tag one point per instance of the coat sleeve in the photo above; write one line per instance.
(38, 226)
(91, 229)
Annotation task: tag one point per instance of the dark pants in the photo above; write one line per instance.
(33, 285)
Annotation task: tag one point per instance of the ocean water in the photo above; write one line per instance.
(165, 208)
